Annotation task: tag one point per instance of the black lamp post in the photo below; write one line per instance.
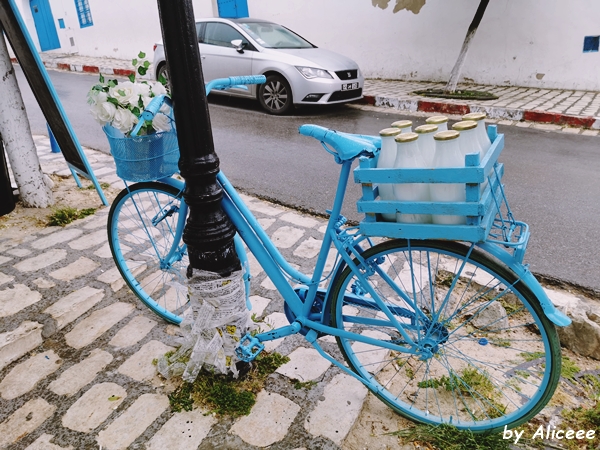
(208, 232)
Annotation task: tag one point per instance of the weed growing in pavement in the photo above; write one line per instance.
(223, 394)
(308, 385)
(91, 187)
(64, 216)
(448, 437)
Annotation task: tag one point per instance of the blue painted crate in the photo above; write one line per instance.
(480, 210)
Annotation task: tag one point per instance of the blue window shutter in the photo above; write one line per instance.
(83, 13)
(233, 9)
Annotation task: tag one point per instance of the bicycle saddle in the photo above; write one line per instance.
(346, 146)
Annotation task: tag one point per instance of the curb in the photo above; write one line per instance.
(83, 68)
(493, 112)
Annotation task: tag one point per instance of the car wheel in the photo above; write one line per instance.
(163, 72)
(275, 95)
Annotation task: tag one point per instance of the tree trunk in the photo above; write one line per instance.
(18, 142)
(455, 74)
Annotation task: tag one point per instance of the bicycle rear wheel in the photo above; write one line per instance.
(142, 231)
(487, 355)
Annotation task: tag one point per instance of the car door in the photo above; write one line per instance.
(219, 58)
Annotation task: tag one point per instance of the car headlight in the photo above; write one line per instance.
(311, 72)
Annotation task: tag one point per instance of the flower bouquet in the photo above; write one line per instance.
(151, 154)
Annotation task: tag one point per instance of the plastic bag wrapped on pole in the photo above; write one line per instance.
(212, 326)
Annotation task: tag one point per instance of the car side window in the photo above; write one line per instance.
(221, 34)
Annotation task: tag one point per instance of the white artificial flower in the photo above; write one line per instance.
(124, 120)
(103, 113)
(146, 101)
(142, 89)
(97, 97)
(161, 123)
(158, 89)
(125, 93)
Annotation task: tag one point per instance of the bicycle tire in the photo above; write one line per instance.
(139, 247)
(485, 371)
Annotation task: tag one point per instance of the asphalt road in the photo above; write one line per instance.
(552, 179)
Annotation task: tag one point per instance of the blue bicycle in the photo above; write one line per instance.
(442, 331)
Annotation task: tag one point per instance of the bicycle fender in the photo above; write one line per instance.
(177, 184)
(523, 273)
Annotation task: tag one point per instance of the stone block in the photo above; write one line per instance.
(81, 374)
(285, 237)
(19, 341)
(133, 332)
(89, 240)
(69, 308)
(269, 420)
(94, 407)
(42, 261)
(76, 269)
(25, 420)
(305, 364)
(139, 365)
(16, 299)
(57, 237)
(183, 431)
(23, 377)
(43, 443)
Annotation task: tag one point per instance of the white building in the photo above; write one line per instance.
(536, 43)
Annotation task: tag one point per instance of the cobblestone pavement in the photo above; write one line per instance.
(76, 348)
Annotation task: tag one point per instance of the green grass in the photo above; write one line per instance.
(64, 216)
(224, 395)
(447, 437)
(91, 187)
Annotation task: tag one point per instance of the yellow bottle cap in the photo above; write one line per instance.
(402, 124)
(465, 125)
(407, 137)
(386, 132)
(446, 135)
(429, 128)
(436, 120)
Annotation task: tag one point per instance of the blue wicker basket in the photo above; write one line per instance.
(143, 158)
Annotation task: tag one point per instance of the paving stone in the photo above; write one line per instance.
(133, 422)
(5, 278)
(305, 364)
(269, 420)
(523, 124)
(4, 259)
(96, 221)
(299, 220)
(272, 321)
(309, 248)
(81, 374)
(571, 130)
(42, 261)
(19, 341)
(264, 208)
(103, 252)
(285, 237)
(16, 299)
(139, 365)
(23, 377)
(258, 304)
(255, 267)
(333, 417)
(69, 308)
(183, 431)
(58, 237)
(590, 132)
(76, 269)
(20, 252)
(96, 324)
(94, 407)
(133, 332)
(268, 284)
(42, 283)
(43, 443)
(25, 420)
(89, 240)
(266, 223)
(113, 278)
(546, 126)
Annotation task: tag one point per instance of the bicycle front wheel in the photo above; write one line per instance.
(485, 355)
(146, 245)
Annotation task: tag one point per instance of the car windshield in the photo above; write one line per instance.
(271, 35)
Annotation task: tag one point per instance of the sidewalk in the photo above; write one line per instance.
(572, 111)
(76, 350)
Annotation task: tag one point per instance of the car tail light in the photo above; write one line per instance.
(154, 48)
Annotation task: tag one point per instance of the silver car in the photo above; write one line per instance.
(298, 73)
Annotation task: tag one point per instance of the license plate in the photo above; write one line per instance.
(349, 86)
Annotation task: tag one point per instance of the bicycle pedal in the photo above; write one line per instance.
(249, 348)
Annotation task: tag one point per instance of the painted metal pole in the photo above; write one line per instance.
(208, 232)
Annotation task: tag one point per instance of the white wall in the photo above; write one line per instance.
(120, 30)
(526, 42)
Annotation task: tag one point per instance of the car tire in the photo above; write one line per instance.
(275, 95)
(164, 72)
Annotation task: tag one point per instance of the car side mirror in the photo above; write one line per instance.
(238, 44)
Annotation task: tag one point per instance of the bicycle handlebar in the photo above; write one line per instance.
(223, 83)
